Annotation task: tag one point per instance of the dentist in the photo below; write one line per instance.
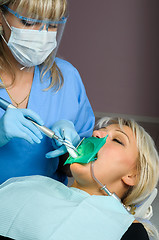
(42, 87)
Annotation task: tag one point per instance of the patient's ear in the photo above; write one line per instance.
(130, 179)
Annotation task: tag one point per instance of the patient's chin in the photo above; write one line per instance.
(80, 170)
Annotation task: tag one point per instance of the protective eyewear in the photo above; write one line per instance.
(30, 22)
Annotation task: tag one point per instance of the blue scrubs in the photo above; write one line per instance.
(20, 158)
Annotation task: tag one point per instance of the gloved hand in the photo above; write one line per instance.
(69, 134)
(14, 124)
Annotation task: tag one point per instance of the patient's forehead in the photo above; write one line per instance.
(114, 126)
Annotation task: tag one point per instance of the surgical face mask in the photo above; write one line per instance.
(31, 47)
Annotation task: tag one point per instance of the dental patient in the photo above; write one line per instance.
(115, 176)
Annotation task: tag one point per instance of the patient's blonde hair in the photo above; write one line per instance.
(147, 164)
(38, 9)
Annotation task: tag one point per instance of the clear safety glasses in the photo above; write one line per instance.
(36, 24)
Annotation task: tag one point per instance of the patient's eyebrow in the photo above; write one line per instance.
(118, 130)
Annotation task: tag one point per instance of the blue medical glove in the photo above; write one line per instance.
(14, 124)
(69, 134)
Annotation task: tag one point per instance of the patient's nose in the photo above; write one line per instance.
(99, 133)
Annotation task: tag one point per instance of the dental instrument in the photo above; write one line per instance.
(48, 132)
(103, 187)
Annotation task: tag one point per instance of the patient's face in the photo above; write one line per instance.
(115, 159)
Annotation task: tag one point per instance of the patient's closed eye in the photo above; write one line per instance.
(118, 141)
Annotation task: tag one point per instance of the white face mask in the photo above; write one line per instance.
(31, 47)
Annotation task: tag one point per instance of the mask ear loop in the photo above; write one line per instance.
(6, 22)
(8, 26)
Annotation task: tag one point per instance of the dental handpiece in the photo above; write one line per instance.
(48, 132)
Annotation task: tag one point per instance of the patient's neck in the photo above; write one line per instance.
(90, 190)
(94, 189)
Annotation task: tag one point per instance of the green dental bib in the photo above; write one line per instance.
(87, 150)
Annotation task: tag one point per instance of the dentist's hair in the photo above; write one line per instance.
(38, 9)
(147, 164)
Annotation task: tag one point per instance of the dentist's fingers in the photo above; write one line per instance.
(56, 153)
(34, 116)
(30, 126)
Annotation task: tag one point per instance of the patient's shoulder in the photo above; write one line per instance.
(136, 231)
